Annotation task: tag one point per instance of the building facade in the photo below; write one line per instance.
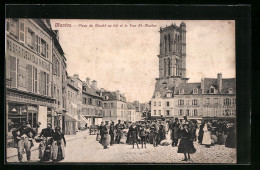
(58, 85)
(91, 104)
(28, 58)
(114, 106)
(175, 97)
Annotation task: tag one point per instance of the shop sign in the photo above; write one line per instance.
(32, 108)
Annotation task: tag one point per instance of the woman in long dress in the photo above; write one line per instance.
(106, 137)
(206, 140)
(58, 145)
(186, 144)
(134, 135)
(231, 137)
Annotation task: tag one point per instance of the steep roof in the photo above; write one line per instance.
(90, 91)
(163, 89)
(130, 105)
(188, 88)
(111, 95)
(226, 84)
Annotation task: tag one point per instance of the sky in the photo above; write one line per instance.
(124, 56)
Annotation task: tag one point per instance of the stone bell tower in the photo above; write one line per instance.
(172, 57)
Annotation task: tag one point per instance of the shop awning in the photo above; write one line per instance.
(70, 118)
(84, 119)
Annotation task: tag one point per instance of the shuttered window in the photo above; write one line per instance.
(39, 45)
(29, 77)
(47, 84)
(13, 71)
(47, 50)
(41, 82)
(21, 31)
(35, 80)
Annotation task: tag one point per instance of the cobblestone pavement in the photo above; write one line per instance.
(87, 149)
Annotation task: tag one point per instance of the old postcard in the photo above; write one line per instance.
(120, 91)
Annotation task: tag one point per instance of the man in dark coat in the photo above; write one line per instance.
(119, 133)
(24, 135)
(45, 145)
(175, 132)
(112, 130)
(101, 132)
(156, 134)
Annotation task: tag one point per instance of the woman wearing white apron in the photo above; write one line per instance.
(206, 136)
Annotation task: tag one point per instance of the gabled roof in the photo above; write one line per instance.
(188, 88)
(111, 95)
(226, 84)
(130, 106)
(208, 82)
(163, 89)
(90, 91)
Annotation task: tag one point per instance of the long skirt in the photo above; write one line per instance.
(151, 137)
(222, 139)
(231, 140)
(106, 140)
(200, 137)
(58, 150)
(186, 146)
(45, 150)
(206, 138)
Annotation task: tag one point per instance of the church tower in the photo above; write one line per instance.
(172, 57)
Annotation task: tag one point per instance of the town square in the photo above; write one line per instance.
(120, 91)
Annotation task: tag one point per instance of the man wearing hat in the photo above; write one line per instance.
(112, 130)
(45, 145)
(24, 135)
(101, 132)
(156, 134)
(119, 128)
(175, 127)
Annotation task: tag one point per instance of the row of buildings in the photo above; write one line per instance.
(175, 97)
(38, 88)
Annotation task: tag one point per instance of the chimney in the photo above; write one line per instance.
(202, 85)
(94, 84)
(88, 81)
(76, 76)
(118, 94)
(101, 91)
(220, 82)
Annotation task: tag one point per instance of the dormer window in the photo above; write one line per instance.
(106, 97)
(212, 89)
(157, 94)
(168, 95)
(230, 91)
(181, 91)
(195, 91)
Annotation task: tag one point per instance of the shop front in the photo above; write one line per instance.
(21, 107)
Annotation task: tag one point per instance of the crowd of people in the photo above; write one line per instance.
(174, 132)
(52, 142)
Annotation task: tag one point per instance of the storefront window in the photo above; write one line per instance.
(16, 115)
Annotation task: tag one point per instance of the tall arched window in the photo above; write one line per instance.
(169, 67)
(169, 42)
(165, 44)
(165, 67)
